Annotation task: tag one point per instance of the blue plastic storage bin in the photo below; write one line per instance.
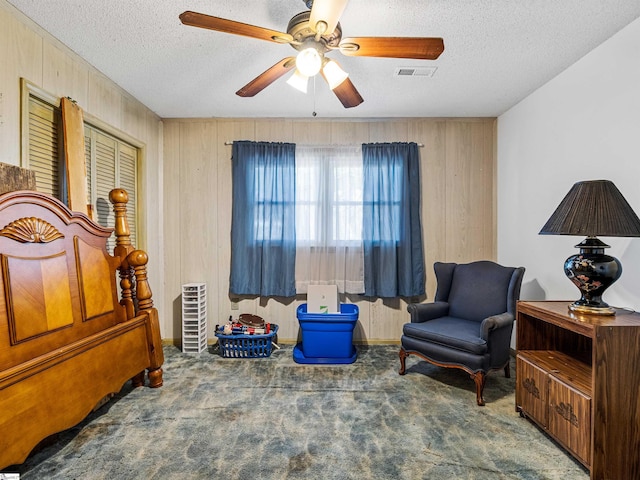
(326, 337)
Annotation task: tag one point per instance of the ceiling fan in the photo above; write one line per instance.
(314, 33)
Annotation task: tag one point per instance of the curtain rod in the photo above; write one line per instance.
(231, 143)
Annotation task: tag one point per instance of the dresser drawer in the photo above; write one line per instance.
(532, 390)
(570, 418)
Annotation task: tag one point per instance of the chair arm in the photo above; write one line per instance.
(495, 322)
(423, 312)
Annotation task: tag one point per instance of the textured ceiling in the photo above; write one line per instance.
(496, 52)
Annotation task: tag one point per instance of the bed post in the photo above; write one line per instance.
(134, 282)
(138, 260)
(123, 248)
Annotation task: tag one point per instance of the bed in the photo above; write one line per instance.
(76, 323)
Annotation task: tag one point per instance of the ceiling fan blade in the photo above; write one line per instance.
(422, 48)
(201, 20)
(267, 77)
(347, 94)
(327, 11)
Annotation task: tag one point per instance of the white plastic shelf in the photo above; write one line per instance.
(194, 317)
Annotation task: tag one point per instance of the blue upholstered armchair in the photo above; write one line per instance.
(469, 324)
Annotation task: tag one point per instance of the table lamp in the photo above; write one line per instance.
(593, 208)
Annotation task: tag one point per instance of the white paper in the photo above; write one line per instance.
(322, 299)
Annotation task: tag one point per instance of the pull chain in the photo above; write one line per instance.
(314, 96)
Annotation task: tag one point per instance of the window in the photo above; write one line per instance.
(111, 159)
(328, 195)
(329, 186)
(348, 216)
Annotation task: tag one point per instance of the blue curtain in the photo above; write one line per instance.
(393, 255)
(263, 230)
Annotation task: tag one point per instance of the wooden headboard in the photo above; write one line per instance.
(67, 337)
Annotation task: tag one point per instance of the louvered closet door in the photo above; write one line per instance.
(111, 162)
(44, 146)
(127, 168)
(113, 165)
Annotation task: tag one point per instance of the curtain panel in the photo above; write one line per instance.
(263, 238)
(392, 233)
(329, 217)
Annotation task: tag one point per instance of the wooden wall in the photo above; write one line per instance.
(458, 207)
(27, 51)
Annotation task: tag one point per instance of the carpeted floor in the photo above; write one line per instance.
(272, 418)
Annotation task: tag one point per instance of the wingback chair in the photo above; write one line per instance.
(469, 324)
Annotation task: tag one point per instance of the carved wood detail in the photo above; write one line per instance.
(529, 384)
(31, 230)
(565, 410)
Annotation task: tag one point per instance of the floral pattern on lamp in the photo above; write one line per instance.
(592, 272)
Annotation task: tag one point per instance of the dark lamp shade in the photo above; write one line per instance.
(593, 208)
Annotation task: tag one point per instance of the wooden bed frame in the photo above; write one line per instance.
(67, 340)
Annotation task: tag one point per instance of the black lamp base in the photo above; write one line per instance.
(592, 272)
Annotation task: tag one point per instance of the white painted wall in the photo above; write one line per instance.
(582, 125)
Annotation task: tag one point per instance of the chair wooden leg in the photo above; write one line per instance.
(479, 378)
(403, 355)
(507, 370)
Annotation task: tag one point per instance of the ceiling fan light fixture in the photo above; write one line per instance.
(334, 74)
(309, 62)
(314, 33)
(298, 81)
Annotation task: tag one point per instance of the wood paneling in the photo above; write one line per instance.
(433, 175)
(171, 234)
(470, 191)
(27, 51)
(458, 206)
(63, 74)
(104, 99)
(198, 222)
(20, 56)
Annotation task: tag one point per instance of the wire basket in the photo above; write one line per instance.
(246, 346)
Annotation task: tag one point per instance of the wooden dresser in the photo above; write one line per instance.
(578, 378)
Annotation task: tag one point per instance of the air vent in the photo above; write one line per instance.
(415, 71)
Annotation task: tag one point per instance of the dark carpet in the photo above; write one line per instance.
(271, 418)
